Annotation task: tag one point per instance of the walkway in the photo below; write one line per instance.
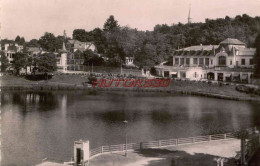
(193, 154)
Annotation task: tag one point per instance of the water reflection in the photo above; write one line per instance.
(48, 123)
(161, 116)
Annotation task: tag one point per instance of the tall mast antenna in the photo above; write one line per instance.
(189, 18)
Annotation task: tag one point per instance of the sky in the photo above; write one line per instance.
(32, 18)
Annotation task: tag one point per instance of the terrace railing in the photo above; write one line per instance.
(159, 143)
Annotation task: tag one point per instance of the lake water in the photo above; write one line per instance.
(36, 125)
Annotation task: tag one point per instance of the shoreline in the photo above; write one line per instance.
(75, 83)
(70, 87)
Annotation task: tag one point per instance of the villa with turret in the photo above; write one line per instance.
(230, 61)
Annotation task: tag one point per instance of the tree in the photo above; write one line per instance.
(79, 34)
(257, 57)
(49, 42)
(4, 62)
(33, 43)
(92, 58)
(110, 24)
(17, 39)
(20, 61)
(46, 62)
(20, 40)
(99, 39)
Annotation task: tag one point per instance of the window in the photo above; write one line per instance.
(182, 61)
(201, 61)
(230, 62)
(243, 61)
(211, 61)
(183, 74)
(222, 61)
(195, 61)
(187, 61)
(207, 61)
(251, 61)
(176, 61)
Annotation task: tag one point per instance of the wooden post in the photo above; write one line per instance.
(159, 143)
(193, 139)
(101, 149)
(209, 137)
(141, 146)
(225, 136)
(177, 141)
(243, 141)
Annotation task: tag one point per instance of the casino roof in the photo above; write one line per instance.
(232, 42)
(199, 47)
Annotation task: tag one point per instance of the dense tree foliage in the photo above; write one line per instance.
(33, 43)
(110, 24)
(257, 56)
(48, 42)
(149, 48)
(20, 61)
(20, 40)
(46, 62)
(153, 47)
(92, 59)
(4, 62)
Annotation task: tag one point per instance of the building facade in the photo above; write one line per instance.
(129, 61)
(10, 49)
(228, 61)
(69, 61)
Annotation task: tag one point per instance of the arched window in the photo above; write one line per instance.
(222, 61)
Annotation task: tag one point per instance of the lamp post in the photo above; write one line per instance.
(125, 122)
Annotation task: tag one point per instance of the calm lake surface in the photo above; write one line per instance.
(36, 125)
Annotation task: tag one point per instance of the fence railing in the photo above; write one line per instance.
(160, 143)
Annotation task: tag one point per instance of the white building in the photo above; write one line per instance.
(10, 49)
(62, 59)
(228, 61)
(129, 61)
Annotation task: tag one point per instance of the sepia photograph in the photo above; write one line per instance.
(129, 82)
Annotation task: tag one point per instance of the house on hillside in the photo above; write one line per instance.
(75, 61)
(68, 61)
(10, 49)
(230, 61)
(74, 45)
(33, 51)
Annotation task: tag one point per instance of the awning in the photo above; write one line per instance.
(228, 75)
(236, 75)
(173, 72)
(244, 76)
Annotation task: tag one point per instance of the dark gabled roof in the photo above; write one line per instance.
(232, 41)
(72, 41)
(33, 49)
(199, 47)
(12, 48)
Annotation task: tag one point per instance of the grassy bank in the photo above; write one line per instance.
(74, 82)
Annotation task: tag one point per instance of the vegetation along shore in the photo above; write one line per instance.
(74, 82)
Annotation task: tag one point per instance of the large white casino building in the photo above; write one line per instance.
(228, 61)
